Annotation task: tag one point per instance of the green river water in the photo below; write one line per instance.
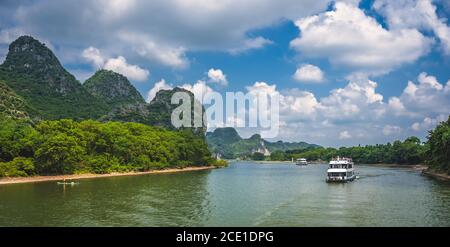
(244, 194)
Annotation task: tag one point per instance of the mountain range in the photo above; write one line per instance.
(228, 144)
(34, 85)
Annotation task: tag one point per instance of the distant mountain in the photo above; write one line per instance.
(228, 143)
(160, 109)
(34, 73)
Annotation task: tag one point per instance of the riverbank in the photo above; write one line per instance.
(36, 179)
(436, 175)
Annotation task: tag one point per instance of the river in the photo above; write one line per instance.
(244, 194)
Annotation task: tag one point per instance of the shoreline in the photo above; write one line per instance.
(436, 175)
(37, 179)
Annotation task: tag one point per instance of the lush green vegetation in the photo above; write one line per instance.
(258, 156)
(34, 73)
(113, 88)
(438, 154)
(67, 147)
(410, 151)
(12, 105)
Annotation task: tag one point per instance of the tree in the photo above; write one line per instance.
(258, 156)
(438, 151)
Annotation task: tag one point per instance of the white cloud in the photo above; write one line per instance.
(93, 55)
(419, 14)
(217, 76)
(199, 89)
(391, 130)
(428, 123)
(160, 85)
(348, 38)
(428, 95)
(119, 64)
(357, 113)
(344, 135)
(250, 44)
(161, 31)
(148, 48)
(309, 73)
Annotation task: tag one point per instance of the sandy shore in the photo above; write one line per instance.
(35, 179)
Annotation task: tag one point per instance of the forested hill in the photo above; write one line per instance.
(50, 123)
(228, 143)
(33, 75)
(32, 71)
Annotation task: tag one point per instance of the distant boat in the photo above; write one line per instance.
(341, 170)
(301, 162)
(68, 183)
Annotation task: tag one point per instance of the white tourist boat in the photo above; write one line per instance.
(301, 162)
(341, 169)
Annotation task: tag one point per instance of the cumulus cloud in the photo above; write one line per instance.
(349, 38)
(118, 64)
(428, 123)
(418, 99)
(344, 135)
(309, 73)
(199, 89)
(217, 76)
(161, 32)
(419, 14)
(250, 44)
(389, 130)
(357, 113)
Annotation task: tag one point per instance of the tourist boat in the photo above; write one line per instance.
(341, 169)
(301, 162)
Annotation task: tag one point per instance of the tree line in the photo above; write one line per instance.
(435, 152)
(70, 147)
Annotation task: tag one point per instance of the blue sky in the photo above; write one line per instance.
(349, 72)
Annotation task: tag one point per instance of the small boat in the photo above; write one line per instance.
(68, 183)
(301, 162)
(341, 169)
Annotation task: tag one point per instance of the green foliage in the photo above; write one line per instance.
(66, 147)
(113, 88)
(258, 156)
(278, 155)
(35, 74)
(410, 151)
(438, 153)
(220, 163)
(18, 167)
(12, 105)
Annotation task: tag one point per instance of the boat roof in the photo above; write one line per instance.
(337, 170)
(341, 162)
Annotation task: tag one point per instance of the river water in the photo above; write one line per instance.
(244, 194)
